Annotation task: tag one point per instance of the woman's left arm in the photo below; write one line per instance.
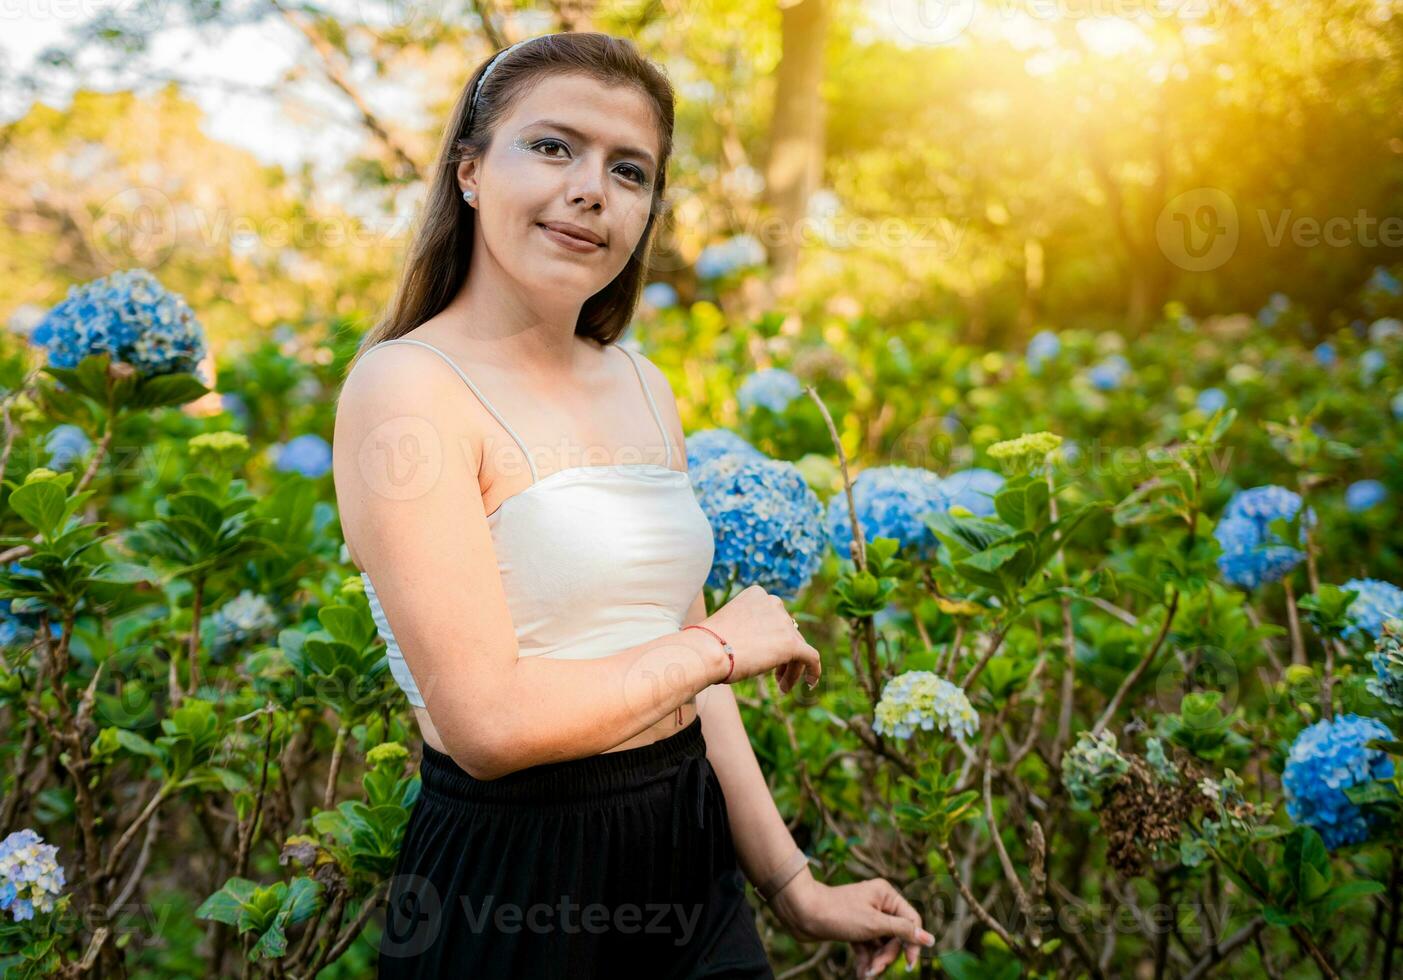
(763, 842)
(871, 914)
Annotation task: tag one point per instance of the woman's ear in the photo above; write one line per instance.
(467, 176)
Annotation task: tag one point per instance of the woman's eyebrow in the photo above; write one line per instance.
(572, 131)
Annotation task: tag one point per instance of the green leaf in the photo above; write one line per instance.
(1009, 504)
(227, 904)
(1341, 895)
(965, 535)
(962, 966)
(136, 744)
(230, 780)
(165, 389)
(994, 558)
(1279, 917)
(303, 899)
(40, 503)
(124, 573)
(1306, 862)
(347, 624)
(1314, 885)
(1374, 791)
(273, 942)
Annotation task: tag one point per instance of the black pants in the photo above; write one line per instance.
(618, 864)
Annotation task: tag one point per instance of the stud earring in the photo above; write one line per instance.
(468, 196)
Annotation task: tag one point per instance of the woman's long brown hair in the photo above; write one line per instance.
(441, 247)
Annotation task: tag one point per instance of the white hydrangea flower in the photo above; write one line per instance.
(920, 698)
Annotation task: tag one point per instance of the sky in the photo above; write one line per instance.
(229, 71)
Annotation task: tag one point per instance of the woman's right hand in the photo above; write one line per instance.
(763, 637)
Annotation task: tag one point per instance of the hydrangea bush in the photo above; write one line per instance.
(1074, 660)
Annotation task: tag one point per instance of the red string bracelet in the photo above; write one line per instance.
(724, 646)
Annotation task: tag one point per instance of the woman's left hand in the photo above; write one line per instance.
(871, 914)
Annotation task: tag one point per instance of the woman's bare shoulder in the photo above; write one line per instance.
(403, 424)
(663, 396)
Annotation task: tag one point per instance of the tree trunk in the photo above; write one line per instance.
(794, 166)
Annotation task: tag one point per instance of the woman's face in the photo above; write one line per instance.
(571, 152)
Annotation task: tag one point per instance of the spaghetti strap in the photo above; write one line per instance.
(667, 442)
(469, 381)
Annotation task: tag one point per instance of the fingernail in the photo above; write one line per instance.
(910, 966)
(926, 938)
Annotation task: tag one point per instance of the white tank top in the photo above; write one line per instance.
(593, 559)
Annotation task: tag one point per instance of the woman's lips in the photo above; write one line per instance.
(569, 241)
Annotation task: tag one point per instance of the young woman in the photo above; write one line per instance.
(512, 483)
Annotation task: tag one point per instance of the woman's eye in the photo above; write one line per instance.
(634, 173)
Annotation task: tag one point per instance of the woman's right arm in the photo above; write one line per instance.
(406, 455)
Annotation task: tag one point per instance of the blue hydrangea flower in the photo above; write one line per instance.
(247, 616)
(704, 445)
(660, 295)
(30, 876)
(1110, 373)
(1364, 494)
(13, 631)
(888, 618)
(891, 503)
(1324, 353)
(1278, 304)
(235, 405)
(1252, 553)
(1043, 347)
(922, 699)
(1384, 281)
(1325, 759)
(774, 388)
(1371, 364)
(129, 315)
(736, 252)
(1209, 400)
(19, 618)
(66, 444)
(308, 454)
(973, 489)
(767, 522)
(1376, 602)
(1395, 406)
